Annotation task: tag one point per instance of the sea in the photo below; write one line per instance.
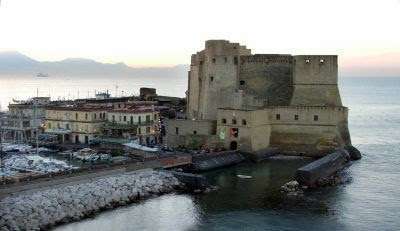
(370, 200)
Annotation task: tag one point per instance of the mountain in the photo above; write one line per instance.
(11, 61)
(18, 64)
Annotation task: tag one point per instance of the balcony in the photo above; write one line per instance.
(114, 125)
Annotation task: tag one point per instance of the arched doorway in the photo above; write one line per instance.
(233, 145)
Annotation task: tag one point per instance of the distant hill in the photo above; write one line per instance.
(16, 63)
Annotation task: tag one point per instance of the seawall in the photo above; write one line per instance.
(44, 209)
(216, 160)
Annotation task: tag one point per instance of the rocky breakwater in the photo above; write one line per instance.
(326, 171)
(44, 209)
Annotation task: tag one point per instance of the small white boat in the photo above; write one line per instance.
(244, 176)
(42, 75)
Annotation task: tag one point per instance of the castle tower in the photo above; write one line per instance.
(213, 78)
(315, 81)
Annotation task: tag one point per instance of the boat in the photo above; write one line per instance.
(244, 176)
(42, 75)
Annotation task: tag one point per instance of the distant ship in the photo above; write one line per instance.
(42, 75)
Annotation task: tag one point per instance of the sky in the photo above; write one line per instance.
(164, 33)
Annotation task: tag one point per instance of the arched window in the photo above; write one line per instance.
(233, 121)
(223, 121)
(244, 122)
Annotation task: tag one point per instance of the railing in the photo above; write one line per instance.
(128, 125)
(114, 125)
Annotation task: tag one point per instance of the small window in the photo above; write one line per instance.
(211, 78)
(226, 59)
(201, 62)
(139, 130)
(296, 117)
(95, 116)
(113, 118)
(177, 131)
(278, 116)
(194, 132)
(235, 60)
(76, 116)
(233, 121)
(147, 130)
(244, 122)
(213, 60)
(223, 121)
(67, 126)
(86, 116)
(308, 61)
(124, 118)
(315, 117)
(242, 82)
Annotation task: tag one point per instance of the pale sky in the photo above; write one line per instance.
(167, 32)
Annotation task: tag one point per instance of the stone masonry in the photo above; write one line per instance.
(263, 102)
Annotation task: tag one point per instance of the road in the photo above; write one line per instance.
(65, 180)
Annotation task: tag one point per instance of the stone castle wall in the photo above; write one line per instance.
(308, 130)
(315, 79)
(213, 78)
(289, 129)
(190, 133)
(267, 78)
(227, 83)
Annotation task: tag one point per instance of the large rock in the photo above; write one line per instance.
(355, 154)
(322, 168)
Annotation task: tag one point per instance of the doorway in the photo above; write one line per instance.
(233, 145)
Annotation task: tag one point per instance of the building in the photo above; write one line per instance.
(141, 122)
(262, 103)
(24, 119)
(75, 124)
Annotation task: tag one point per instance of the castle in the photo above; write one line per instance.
(261, 103)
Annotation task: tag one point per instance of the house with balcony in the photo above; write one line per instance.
(24, 119)
(75, 124)
(135, 122)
